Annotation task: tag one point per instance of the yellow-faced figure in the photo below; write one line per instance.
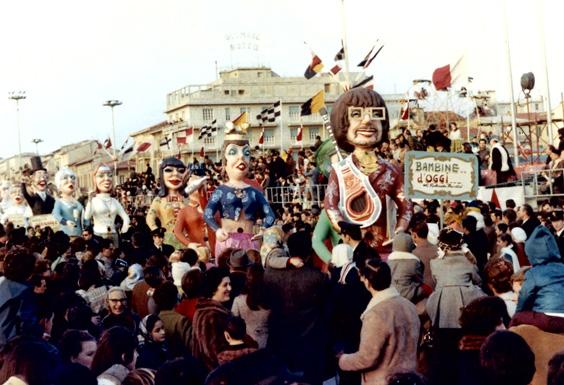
(236, 153)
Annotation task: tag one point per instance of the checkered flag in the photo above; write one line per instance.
(270, 114)
(208, 130)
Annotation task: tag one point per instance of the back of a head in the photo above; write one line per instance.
(421, 229)
(506, 359)
(19, 264)
(192, 283)
(140, 376)
(377, 273)
(116, 346)
(469, 223)
(483, 315)
(236, 327)
(299, 245)
(34, 361)
(166, 296)
(541, 247)
(556, 370)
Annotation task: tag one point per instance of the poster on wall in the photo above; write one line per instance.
(441, 175)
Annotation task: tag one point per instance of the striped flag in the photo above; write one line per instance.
(142, 147)
(299, 134)
(208, 130)
(107, 143)
(270, 114)
(341, 54)
(314, 68)
(261, 137)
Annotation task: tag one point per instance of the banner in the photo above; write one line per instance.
(46, 220)
(441, 175)
(18, 220)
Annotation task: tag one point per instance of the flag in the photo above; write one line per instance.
(107, 143)
(271, 113)
(299, 134)
(142, 147)
(165, 142)
(202, 152)
(404, 114)
(182, 135)
(241, 119)
(341, 54)
(314, 104)
(366, 82)
(261, 137)
(444, 77)
(208, 130)
(369, 61)
(314, 68)
(335, 70)
(366, 58)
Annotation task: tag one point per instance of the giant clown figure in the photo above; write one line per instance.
(358, 185)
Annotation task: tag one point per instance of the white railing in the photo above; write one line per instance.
(543, 183)
(306, 195)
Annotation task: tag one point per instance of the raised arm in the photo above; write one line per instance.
(331, 202)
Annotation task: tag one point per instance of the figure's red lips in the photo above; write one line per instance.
(175, 182)
(242, 166)
(42, 183)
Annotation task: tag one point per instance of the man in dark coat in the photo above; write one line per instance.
(39, 201)
(557, 220)
(477, 241)
(159, 247)
(529, 222)
(352, 236)
(500, 161)
(297, 299)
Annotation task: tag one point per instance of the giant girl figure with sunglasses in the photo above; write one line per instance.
(239, 204)
(103, 209)
(358, 185)
(170, 200)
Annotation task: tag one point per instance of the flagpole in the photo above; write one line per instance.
(510, 73)
(543, 45)
(345, 43)
(281, 124)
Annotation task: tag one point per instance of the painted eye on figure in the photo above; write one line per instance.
(232, 151)
(247, 151)
(356, 113)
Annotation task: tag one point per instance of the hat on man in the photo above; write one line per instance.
(158, 232)
(239, 259)
(36, 164)
(561, 131)
(402, 242)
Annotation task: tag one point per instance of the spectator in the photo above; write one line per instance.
(152, 349)
(390, 329)
(176, 326)
(119, 312)
(235, 333)
(425, 250)
(528, 220)
(115, 356)
(498, 273)
(78, 347)
(476, 240)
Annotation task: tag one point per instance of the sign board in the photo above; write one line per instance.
(18, 220)
(441, 175)
(46, 220)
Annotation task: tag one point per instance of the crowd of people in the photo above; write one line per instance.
(461, 292)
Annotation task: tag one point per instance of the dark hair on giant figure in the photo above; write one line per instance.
(358, 97)
(171, 161)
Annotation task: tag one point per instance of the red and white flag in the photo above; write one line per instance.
(405, 111)
(107, 143)
(183, 136)
(202, 152)
(261, 137)
(445, 77)
(142, 147)
(299, 134)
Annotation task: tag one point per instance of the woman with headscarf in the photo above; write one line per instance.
(237, 202)
(134, 276)
(170, 199)
(153, 351)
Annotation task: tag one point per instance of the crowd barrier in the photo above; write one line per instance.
(305, 195)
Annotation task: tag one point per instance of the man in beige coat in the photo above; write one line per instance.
(390, 330)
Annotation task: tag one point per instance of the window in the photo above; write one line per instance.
(245, 109)
(328, 88)
(294, 112)
(226, 92)
(259, 74)
(313, 132)
(293, 134)
(207, 114)
(241, 92)
(227, 113)
(268, 137)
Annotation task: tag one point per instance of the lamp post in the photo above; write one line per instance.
(112, 104)
(17, 96)
(37, 141)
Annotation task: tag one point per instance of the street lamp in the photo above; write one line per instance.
(37, 141)
(17, 96)
(112, 104)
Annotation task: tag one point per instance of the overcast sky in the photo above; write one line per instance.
(70, 56)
